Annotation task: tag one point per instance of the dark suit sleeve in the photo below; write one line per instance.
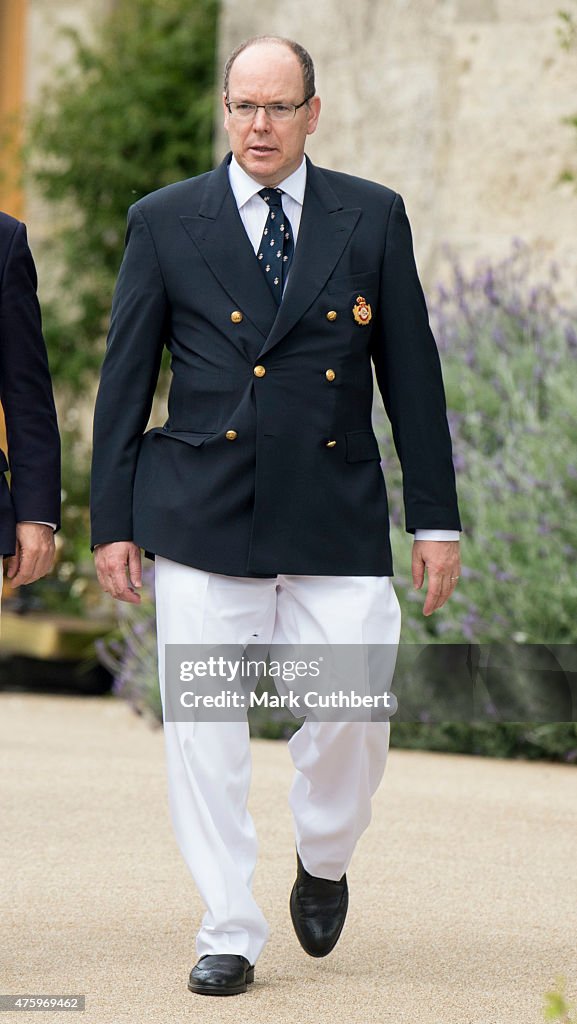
(138, 331)
(409, 377)
(26, 391)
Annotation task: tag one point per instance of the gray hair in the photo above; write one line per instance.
(303, 56)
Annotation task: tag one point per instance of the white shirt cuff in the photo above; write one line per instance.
(437, 535)
(39, 522)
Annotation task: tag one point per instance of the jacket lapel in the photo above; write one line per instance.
(324, 231)
(222, 241)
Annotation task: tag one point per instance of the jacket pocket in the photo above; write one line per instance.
(192, 437)
(361, 445)
(351, 283)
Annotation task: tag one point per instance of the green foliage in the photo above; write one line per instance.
(130, 112)
(530, 742)
(556, 1006)
(71, 588)
(509, 354)
(567, 29)
(567, 33)
(74, 572)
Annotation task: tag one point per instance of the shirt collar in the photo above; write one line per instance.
(244, 187)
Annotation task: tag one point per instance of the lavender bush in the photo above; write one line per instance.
(509, 352)
(130, 653)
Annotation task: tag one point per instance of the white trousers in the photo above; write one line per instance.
(338, 765)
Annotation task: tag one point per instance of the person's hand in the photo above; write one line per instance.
(441, 559)
(34, 556)
(119, 569)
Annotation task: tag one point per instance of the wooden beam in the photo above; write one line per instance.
(13, 20)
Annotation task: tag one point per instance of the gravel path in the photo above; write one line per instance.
(463, 891)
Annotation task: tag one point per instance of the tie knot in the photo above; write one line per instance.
(272, 196)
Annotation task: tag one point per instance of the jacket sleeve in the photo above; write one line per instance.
(138, 331)
(26, 391)
(408, 372)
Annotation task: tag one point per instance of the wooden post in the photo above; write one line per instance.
(12, 85)
(12, 68)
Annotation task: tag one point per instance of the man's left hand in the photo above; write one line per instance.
(442, 560)
(34, 555)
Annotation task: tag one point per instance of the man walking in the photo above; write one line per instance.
(30, 507)
(276, 286)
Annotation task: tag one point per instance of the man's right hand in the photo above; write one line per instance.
(119, 569)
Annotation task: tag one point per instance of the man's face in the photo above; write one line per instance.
(269, 150)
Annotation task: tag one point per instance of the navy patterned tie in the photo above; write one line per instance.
(276, 249)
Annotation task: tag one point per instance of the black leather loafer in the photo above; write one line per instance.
(224, 975)
(318, 910)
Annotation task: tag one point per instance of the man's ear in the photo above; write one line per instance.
(226, 111)
(314, 114)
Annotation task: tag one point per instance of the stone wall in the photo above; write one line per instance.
(456, 104)
(47, 48)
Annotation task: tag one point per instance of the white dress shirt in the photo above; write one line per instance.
(252, 207)
(254, 212)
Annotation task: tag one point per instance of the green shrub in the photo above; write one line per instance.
(556, 1006)
(130, 112)
(509, 354)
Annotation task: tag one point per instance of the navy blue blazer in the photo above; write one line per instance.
(268, 462)
(25, 393)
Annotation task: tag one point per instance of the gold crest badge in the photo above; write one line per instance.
(362, 312)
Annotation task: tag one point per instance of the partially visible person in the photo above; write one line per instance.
(30, 505)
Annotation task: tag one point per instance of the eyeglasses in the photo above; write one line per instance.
(276, 111)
